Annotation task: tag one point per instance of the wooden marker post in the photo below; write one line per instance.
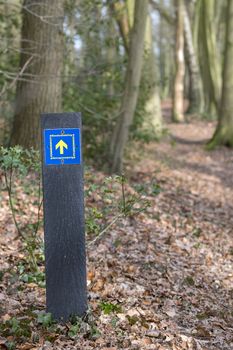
(65, 259)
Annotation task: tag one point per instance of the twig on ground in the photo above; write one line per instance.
(106, 229)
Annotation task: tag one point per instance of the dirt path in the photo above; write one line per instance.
(197, 208)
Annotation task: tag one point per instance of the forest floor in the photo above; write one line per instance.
(162, 279)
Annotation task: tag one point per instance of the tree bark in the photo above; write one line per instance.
(130, 12)
(120, 13)
(40, 88)
(224, 131)
(178, 94)
(195, 93)
(111, 50)
(132, 81)
(208, 55)
(165, 49)
(152, 123)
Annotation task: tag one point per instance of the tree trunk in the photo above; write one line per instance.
(152, 123)
(165, 48)
(130, 11)
(224, 132)
(111, 51)
(39, 90)
(132, 81)
(121, 16)
(208, 55)
(195, 94)
(178, 98)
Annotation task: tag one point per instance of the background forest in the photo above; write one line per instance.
(105, 59)
(153, 80)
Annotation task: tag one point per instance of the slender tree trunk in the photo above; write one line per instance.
(224, 132)
(111, 51)
(93, 45)
(208, 55)
(164, 52)
(152, 124)
(195, 94)
(178, 95)
(132, 81)
(40, 89)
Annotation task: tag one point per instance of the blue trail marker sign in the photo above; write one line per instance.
(65, 259)
(62, 146)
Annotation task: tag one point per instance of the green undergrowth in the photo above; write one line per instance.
(109, 308)
(34, 325)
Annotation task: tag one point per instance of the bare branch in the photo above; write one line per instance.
(42, 18)
(4, 90)
(105, 229)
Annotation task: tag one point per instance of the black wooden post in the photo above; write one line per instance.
(65, 258)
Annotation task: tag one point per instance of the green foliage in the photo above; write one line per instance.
(86, 325)
(1, 275)
(93, 220)
(20, 330)
(45, 319)
(96, 81)
(202, 316)
(10, 345)
(27, 275)
(231, 251)
(132, 319)
(189, 281)
(94, 72)
(10, 24)
(16, 327)
(91, 225)
(19, 160)
(73, 331)
(116, 199)
(148, 189)
(75, 327)
(131, 203)
(197, 232)
(109, 308)
(94, 333)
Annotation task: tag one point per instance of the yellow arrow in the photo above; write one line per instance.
(61, 144)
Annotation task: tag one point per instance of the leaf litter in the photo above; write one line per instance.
(161, 280)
